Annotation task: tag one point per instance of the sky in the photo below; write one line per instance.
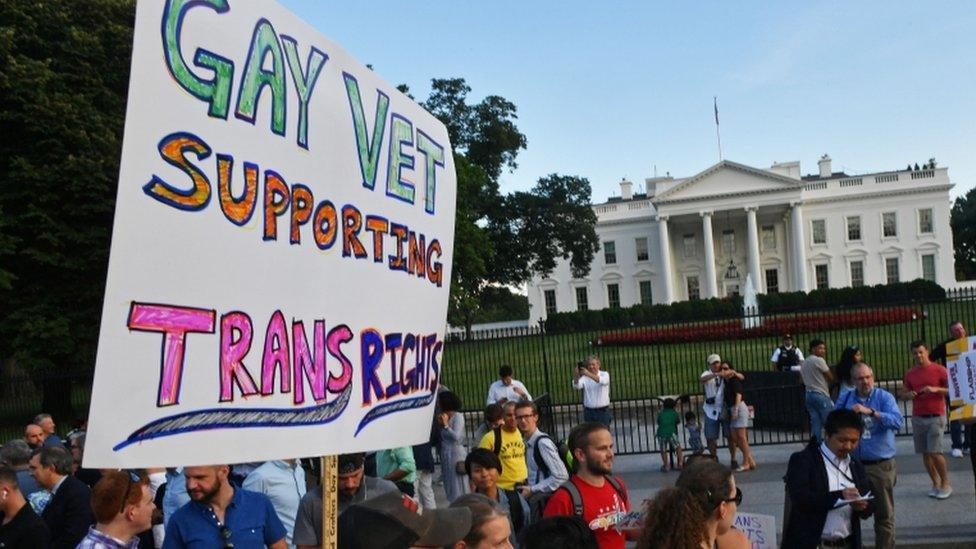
(610, 90)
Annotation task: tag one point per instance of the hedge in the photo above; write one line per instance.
(725, 308)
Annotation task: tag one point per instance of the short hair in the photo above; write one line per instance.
(55, 456)
(41, 417)
(350, 463)
(494, 412)
(669, 403)
(843, 418)
(918, 343)
(591, 358)
(15, 453)
(449, 401)
(690, 416)
(527, 404)
(815, 343)
(859, 365)
(505, 371)
(579, 436)
(954, 322)
(9, 476)
(482, 509)
(484, 458)
(106, 496)
(558, 533)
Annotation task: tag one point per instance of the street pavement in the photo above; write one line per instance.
(920, 521)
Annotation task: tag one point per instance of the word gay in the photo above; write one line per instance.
(266, 45)
(287, 355)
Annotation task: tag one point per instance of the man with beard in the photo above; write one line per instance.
(354, 487)
(219, 515)
(593, 493)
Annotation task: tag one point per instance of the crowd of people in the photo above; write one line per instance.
(511, 485)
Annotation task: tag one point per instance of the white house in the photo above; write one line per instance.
(698, 237)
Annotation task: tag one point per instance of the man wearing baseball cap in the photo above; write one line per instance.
(392, 520)
(713, 380)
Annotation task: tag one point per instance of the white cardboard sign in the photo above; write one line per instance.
(760, 529)
(281, 254)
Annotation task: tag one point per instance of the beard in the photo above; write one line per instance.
(205, 496)
(598, 468)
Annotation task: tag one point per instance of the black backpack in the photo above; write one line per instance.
(561, 448)
(577, 498)
(515, 510)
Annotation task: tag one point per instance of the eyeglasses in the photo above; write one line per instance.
(737, 499)
(133, 477)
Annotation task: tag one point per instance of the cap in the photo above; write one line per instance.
(787, 336)
(713, 358)
(391, 520)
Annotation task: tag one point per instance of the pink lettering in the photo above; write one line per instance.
(337, 336)
(275, 355)
(236, 332)
(307, 365)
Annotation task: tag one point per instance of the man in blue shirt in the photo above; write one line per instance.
(283, 481)
(882, 419)
(218, 515)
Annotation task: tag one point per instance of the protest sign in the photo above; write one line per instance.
(961, 368)
(281, 254)
(760, 529)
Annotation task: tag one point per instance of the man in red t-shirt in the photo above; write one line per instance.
(603, 497)
(926, 385)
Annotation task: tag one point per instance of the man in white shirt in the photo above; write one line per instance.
(595, 385)
(506, 389)
(826, 488)
(714, 385)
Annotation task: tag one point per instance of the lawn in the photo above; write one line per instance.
(651, 370)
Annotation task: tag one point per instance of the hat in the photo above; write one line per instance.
(713, 358)
(787, 336)
(391, 521)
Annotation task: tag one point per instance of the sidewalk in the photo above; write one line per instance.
(920, 521)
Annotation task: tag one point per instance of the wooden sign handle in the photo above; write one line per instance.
(330, 503)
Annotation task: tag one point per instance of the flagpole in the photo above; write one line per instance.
(718, 135)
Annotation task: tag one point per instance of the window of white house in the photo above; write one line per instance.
(694, 291)
(641, 244)
(728, 241)
(853, 227)
(609, 252)
(613, 295)
(889, 224)
(690, 245)
(822, 276)
(819, 231)
(928, 267)
(925, 221)
(857, 274)
(582, 302)
(768, 237)
(891, 270)
(645, 292)
(550, 302)
(772, 281)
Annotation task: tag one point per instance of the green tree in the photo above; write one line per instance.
(963, 222)
(64, 68)
(502, 240)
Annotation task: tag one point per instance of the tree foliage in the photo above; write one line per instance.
(963, 222)
(499, 239)
(64, 69)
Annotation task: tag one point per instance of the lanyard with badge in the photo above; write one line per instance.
(846, 475)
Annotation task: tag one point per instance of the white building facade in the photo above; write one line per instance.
(689, 238)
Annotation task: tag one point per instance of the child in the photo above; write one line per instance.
(667, 434)
(694, 433)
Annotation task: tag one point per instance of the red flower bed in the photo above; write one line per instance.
(771, 326)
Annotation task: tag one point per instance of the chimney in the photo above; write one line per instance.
(626, 190)
(824, 163)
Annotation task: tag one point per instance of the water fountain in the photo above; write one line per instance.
(750, 306)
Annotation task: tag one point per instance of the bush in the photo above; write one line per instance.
(725, 308)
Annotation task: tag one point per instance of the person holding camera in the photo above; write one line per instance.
(595, 385)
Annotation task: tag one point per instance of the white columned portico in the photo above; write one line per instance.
(665, 247)
(711, 280)
(753, 249)
(799, 247)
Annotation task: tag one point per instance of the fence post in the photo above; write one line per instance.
(545, 359)
(660, 369)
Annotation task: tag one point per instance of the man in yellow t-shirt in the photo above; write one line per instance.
(510, 450)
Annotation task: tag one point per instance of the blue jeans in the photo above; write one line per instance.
(818, 406)
(599, 415)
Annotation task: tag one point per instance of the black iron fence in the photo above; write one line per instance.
(648, 363)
